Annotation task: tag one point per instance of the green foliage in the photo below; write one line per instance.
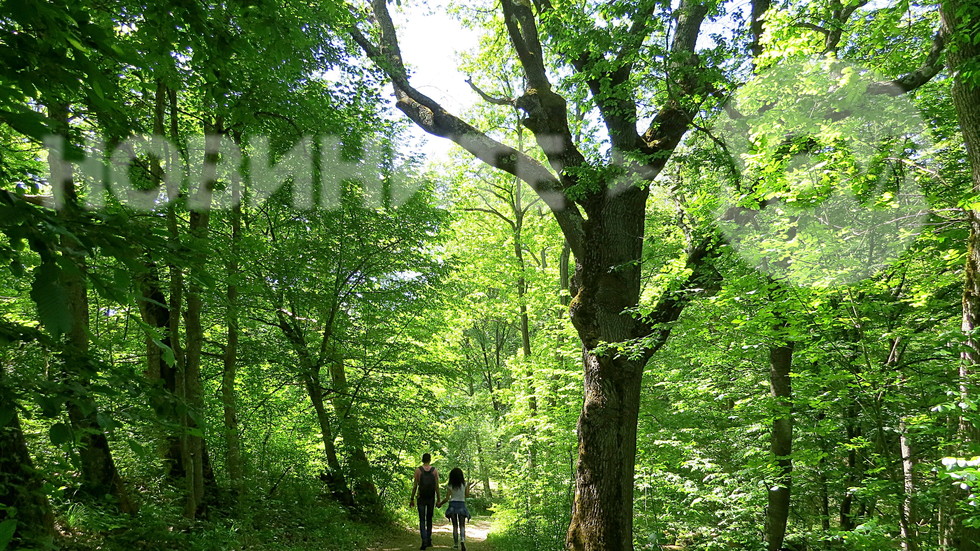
(297, 522)
(448, 311)
(7, 529)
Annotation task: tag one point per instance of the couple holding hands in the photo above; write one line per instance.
(427, 487)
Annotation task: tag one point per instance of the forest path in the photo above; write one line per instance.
(442, 537)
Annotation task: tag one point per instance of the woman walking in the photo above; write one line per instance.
(456, 493)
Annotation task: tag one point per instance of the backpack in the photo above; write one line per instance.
(427, 484)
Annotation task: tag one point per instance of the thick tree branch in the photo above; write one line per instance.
(812, 27)
(523, 31)
(838, 20)
(609, 88)
(494, 212)
(547, 112)
(931, 67)
(756, 26)
(703, 279)
(674, 118)
(431, 117)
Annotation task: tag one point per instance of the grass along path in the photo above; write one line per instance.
(442, 537)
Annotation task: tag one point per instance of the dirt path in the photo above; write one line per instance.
(442, 537)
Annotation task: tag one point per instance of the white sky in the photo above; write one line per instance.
(430, 41)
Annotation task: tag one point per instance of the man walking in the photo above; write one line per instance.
(426, 483)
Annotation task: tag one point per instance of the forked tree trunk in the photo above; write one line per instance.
(482, 463)
(365, 492)
(335, 479)
(607, 241)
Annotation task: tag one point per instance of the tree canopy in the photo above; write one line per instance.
(695, 275)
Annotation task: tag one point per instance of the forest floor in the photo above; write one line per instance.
(442, 537)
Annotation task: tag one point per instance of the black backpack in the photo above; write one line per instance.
(427, 484)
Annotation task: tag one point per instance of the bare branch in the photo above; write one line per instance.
(812, 27)
(492, 211)
(488, 98)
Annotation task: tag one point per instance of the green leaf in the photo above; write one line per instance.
(168, 353)
(7, 529)
(60, 433)
(105, 421)
(7, 412)
(51, 298)
(139, 449)
(26, 122)
(50, 405)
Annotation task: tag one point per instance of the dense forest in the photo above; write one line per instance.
(694, 275)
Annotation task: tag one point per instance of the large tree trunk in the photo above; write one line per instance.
(607, 287)
(20, 483)
(960, 20)
(965, 538)
(310, 369)
(777, 514)
(608, 283)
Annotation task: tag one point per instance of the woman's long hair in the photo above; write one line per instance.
(456, 479)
